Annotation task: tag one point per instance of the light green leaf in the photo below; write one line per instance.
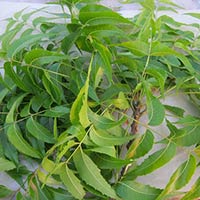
(6, 165)
(72, 183)
(180, 177)
(41, 57)
(121, 102)
(104, 138)
(141, 145)
(15, 137)
(159, 49)
(90, 173)
(190, 136)
(129, 190)
(194, 193)
(4, 191)
(156, 111)
(101, 122)
(137, 47)
(11, 114)
(108, 150)
(154, 161)
(98, 14)
(39, 131)
(23, 42)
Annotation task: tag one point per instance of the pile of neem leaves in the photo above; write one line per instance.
(73, 88)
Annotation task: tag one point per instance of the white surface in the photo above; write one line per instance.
(160, 177)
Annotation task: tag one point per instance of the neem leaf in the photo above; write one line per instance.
(101, 122)
(107, 162)
(4, 191)
(141, 145)
(90, 173)
(6, 165)
(98, 14)
(129, 190)
(23, 42)
(105, 57)
(156, 111)
(137, 47)
(14, 76)
(39, 131)
(57, 111)
(41, 57)
(180, 177)
(154, 161)
(72, 183)
(194, 192)
(175, 110)
(15, 137)
(104, 138)
(190, 136)
(11, 114)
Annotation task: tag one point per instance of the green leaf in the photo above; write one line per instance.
(175, 110)
(107, 162)
(90, 173)
(10, 118)
(154, 161)
(115, 90)
(23, 42)
(101, 122)
(159, 49)
(129, 190)
(57, 111)
(39, 131)
(15, 137)
(72, 183)
(98, 14)
(180, 177)
(14, 76)
(155, 110)
(41, 57)
(190, 136)
(4, 191)
(106, 57)
(141, 145)
(52, 87)
(108, 150)
(194, 192)
(6, 165)
(104, 138)
(160, 75)
(137, 47)
(70, 40)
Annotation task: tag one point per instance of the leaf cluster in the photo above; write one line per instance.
(73, 88)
